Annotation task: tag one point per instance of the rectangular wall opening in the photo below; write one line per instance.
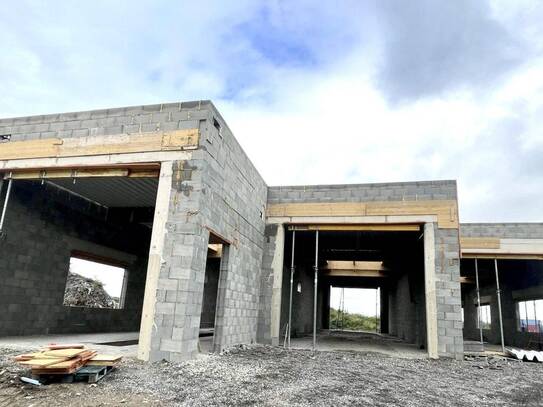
(94, 283)
(354, 309)
(210, 296)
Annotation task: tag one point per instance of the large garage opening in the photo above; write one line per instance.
(74, 252)
(502, 298)
(379, 272)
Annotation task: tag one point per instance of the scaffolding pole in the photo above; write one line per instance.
(316, 267)
(499, 303)
(478, 302)
(291, 283)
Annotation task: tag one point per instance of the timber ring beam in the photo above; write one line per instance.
(446, 211)
(100, 145)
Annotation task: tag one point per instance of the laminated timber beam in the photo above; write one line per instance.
(336, 268)
(446, 211)
(500, 248)
(100, 145)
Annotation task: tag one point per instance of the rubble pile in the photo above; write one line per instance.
(87, 292)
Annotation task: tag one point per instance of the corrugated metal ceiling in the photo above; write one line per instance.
(113, 192)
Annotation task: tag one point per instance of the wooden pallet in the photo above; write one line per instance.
(92, 374)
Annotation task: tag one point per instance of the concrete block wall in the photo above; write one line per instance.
(397, 191)
(123, 120)
(406, 310)
(40, 227)
(218, 191)
(266, 284)
(503, 230)
(234, 208)
(448, 295)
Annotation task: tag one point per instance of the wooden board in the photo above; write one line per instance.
(354, 265)
(43, 362)
(65, 353)
(354, 273)
(445, 210)
(104, 360)
(100, 145)
(479, 243)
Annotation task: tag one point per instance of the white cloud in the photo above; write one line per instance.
(298, 86)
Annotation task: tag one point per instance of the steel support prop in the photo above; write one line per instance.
(316, 267)
(291, 284)
(478, 302)
(498, 293)
(4, 209)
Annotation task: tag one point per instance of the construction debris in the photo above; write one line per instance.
(62, 360)
(87, 292)
(528, 355)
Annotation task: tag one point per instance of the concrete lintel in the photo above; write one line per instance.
(96, 160)
(277, 267)
(155, 259)
(85, 246)
(430, 290)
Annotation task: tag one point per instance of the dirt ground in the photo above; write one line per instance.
(270, 376)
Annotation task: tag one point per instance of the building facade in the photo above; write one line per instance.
(167, 192)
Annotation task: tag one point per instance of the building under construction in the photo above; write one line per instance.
(210, 253)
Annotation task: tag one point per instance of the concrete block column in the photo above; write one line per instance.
(180, 296)
(448, 294)
(176, 274)
(269, 329)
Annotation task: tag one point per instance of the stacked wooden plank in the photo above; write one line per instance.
(64, 359)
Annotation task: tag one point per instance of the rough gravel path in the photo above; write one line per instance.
(268, 376)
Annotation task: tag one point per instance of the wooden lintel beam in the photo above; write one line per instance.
(446, 211)
(354, 273)
(100, 145)
(466, 280)
(354, 265)
(479, 243)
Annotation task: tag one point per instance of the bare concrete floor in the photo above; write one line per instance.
(96, 341)
(361, 342)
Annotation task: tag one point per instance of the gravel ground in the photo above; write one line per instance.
(270, 376)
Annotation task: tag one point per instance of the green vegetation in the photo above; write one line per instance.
(353, 322)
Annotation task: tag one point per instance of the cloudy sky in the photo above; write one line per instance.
(316, 92)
